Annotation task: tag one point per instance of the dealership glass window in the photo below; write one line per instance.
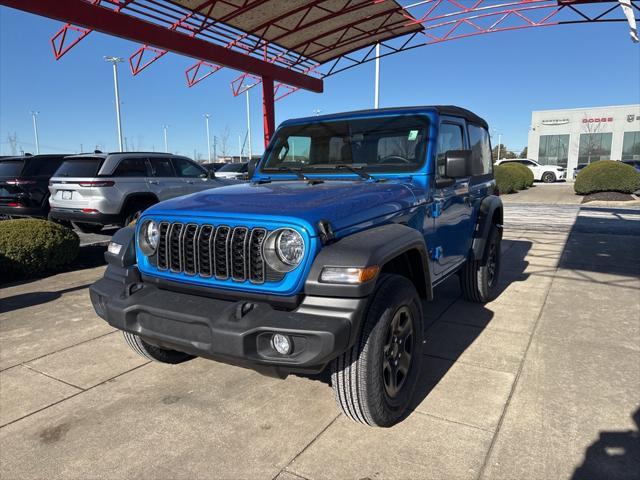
(594, 147)
(631, 146)
(553, 150)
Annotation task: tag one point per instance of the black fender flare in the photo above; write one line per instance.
(488, 207)
(374, 246)
(127, 255)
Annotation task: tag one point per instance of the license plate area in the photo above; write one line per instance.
(67, 194)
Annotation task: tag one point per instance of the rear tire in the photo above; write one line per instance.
(134, 211)
(374, 381)
(154, 353)
(88, 227)
(548, 177)
(64, 223)
(479, 279)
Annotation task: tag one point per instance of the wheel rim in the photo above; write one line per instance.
(397, 352)
(492, 264)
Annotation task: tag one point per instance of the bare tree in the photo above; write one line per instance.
(593, 146)
(224, 141)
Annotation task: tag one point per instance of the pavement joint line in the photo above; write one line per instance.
(74, 395)
(313, 440)
(452, 421)
(51, 376)
(465, 362)
(513, 386)
(294, 474)
(58, 351)
(493, 329)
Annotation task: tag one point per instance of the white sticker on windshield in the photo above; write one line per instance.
(413, 134)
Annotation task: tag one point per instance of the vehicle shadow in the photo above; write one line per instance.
(615, 455)
(31, 299)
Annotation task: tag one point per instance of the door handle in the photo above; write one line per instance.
(154, 182)
(190, 182)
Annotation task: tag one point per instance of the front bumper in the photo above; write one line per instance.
(233, 331)
(77, 215)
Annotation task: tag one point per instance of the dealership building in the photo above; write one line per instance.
(584, 135)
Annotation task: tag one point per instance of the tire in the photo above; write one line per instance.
(64, 223)
(548, 177)
(154, 353)
(361, 378)
(134, 211)
(479, 280)
(89, 227)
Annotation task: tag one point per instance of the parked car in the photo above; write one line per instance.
(323, 259)
(543, 173)
(576, 170)
(24, 184)
(213, 166)
(634, 163)
(236, 171)
(99, 189)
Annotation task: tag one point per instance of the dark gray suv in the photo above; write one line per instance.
(93, 190)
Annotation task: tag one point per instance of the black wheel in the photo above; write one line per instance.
(152, 352)
(374, 381)
(479, 280)
(88, 227)
(64, 223)
(548, 177)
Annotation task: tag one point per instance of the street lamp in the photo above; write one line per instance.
(499, 142)
(34, 114)
(166, 144)
(206, 119)
(249, 125)
(114, 61)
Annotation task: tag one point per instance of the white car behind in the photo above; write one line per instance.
(541, 173)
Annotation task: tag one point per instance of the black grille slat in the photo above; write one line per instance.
(221, 252)
(211, 251)
(205, 253)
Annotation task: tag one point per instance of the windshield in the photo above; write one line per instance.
(11, 168)
(232, 167)
(388, 144)
(80, 167)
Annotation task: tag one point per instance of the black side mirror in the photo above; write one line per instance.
(457, 165)
(251, 168)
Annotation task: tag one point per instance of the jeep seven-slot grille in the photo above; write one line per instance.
(210, 251)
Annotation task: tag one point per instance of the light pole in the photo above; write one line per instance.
(34, 114)
(376, 99)
(206, 119)
(239, 147)
(114, 61)
(499, 141)
(249, 125)
(166, 144)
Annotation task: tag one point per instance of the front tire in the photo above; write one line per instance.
(374, 381)
(548, 177)
(154, 353)
(478, 279)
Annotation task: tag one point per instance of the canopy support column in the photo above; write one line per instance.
(268, 109)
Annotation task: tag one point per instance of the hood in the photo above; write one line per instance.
(342, 203)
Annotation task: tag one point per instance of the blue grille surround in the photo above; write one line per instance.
(222, 253)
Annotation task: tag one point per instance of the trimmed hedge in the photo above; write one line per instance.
(512, 177)
(29, 246)
(607, 176)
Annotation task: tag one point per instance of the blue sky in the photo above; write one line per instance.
(502, 77)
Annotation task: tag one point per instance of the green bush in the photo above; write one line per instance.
(525, 174)
(29, 246)
(607, 176)
(506, 178)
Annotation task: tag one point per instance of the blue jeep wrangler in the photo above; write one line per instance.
(348, 224)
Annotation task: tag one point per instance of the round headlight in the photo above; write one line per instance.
(290, 247)
(283, 249)
(149, 237)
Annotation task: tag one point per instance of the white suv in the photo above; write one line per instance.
(541, 173)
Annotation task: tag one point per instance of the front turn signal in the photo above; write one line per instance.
(349, 275)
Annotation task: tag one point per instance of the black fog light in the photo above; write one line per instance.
(281, 344)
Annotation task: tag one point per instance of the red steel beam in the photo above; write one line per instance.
(268, 109)
(110, 22)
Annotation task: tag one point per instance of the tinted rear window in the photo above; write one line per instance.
(11, 168)
(80, 167)
(42, 166)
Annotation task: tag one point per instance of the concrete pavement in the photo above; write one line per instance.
(542, 383)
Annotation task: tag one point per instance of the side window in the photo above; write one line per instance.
(449, 138)
(185, 168)
(161, 167)
(132, 167)
(481, 163)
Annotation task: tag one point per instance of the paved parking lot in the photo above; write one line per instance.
(542, 383)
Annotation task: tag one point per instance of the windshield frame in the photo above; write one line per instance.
(292, 129)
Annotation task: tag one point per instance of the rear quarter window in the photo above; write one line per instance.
(80, 167)
(132, 167)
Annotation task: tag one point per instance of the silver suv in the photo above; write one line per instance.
(94, 190)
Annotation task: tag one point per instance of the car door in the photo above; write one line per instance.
(163, 181)
(194, 177)
(451, 205)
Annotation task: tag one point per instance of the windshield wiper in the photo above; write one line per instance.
(298, 173)
(358, 171)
